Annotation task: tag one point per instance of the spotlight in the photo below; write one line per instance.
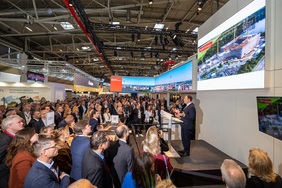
(200, 4)
(128, 16)
(150, 2)
(177, 41)
(161, 39)
(157, 55)
(133, 37)
(151, 54)
(115, 53)
(138, 36)
(71, 3)
(142, 56)
(163, 47)
(177, 25)
(166, 42)
(156, 40)
(131, 53)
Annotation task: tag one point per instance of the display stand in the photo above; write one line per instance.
(171, 152)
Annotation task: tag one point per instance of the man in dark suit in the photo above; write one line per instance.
(159, 114)
(93, 166)
(35, 118)
(65, 121)
(82, 109)
(93, 120)
(120, 156)
(79, 145)
(43, 172)
(10, 125)
(114, 109)
(136, 119)
(188, 117)
(26, 114)
(41, 123)
(58, 115)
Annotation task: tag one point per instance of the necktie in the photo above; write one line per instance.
(107, 168)
(53, 169)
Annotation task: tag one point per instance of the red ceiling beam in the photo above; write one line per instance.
(84, 30)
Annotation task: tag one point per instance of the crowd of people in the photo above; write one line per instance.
(77, 152)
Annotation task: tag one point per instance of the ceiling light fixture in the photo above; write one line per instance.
(150, 2)
(71, 3)
(138, 36)
(133, 37)
(29, 29)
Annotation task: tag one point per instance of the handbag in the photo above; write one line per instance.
(166, 168)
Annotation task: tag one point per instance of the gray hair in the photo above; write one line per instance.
(40, 145)
(97, 139)
(9, 112)
(69, 117)
(233, 174)
(121, 130)
(8, 121)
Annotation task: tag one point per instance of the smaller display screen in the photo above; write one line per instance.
(270, 115)
(35, 77)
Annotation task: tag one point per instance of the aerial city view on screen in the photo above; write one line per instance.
(177, 86)
(239, 49)
(270, 115)
(138, 84)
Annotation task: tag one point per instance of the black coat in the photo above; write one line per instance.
(95, 170)
(38, 125)
(5, 140)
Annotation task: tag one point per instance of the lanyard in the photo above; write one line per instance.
(9, 133)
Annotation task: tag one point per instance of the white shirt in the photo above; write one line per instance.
(27, 117)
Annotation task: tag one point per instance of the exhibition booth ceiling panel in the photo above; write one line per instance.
(46, 30)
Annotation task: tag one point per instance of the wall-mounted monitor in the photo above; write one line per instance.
(232, 56)
(35, 77)
(270, 115)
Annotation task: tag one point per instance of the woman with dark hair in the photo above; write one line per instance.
(107, 115)
(143, 173)
(121, 115)
(149, 117)
(261, 168)
(63, 159)
(21, 157)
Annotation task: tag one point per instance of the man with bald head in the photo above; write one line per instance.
(120, 156)
(232, 174)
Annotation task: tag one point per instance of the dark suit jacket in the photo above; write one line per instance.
(81, 111)
(135, 118)
(5, 140)
(119, 158)
(58, 118)
(21, 114)
(38, 125)
(190, 113)
(63, 160)
(78, 147)
(21, 164)
(93, 123)
(41, 176)
(32, 121)
(114, 112)
(63, 123)
(95, 170)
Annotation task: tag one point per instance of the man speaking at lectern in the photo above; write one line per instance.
(187, 116)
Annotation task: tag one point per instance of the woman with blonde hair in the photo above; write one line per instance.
(152, 144)
(67, 112)
(63, 159)
(261, 168)
(75, 114)
(20, 156)
(69, 127)
(45, 132)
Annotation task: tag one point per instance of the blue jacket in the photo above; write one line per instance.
(93, 123)
(78, 147)
(63, 123)
(41, 176)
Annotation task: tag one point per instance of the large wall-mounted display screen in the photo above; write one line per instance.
(232, 56)
(178, 79)
(270, 115)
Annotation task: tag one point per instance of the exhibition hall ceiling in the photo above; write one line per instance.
(47, 30)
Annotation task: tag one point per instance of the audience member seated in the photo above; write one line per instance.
(43, 172)
(69, 127)
(94, 167)
(107, 115)
(45, 132)
(120, 156)
(41, 123)
(20, 156)
(143, 173)
(63, 159)
(10, 125)
(65, 121)
(165, 184)
(151, 144)
(79, 145)
(261, 168)
(82, 183)
(232, 174)
(35, 118)
(94, 120)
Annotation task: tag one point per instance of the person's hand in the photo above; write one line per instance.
(62, 175)
(159, 179)
(176, 110)
(161, 133)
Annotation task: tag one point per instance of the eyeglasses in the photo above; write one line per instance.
(18, 122)
(108, 140)
(51, 147)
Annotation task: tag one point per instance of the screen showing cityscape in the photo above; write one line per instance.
(232, 56)
(270, 115)
(178, 79)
